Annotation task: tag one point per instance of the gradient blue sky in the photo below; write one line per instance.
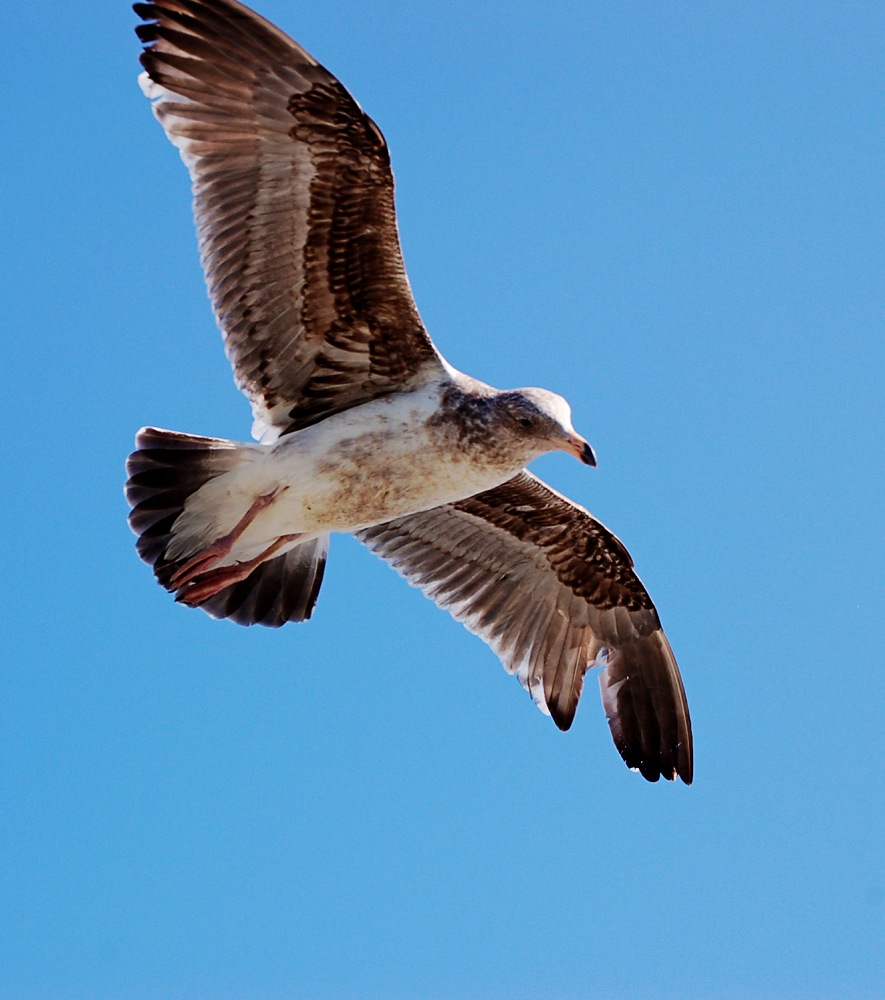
(672, 213)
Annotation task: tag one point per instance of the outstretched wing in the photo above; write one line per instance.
(553, 592)
(293, 199)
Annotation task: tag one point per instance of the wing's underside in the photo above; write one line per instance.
(553, 593)
(293, 199)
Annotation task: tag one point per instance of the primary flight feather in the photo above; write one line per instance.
(362, 426)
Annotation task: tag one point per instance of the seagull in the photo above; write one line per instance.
(360, 425)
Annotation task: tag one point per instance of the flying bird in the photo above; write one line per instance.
(360, 424)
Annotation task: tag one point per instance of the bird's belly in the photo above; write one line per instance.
(374, 478)
(354, 470)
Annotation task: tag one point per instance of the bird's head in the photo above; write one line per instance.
(545, 418)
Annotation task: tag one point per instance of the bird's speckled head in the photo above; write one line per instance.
(511, 427)
(544, 418)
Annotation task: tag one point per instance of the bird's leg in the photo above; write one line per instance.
(206, 585)
(205, 558)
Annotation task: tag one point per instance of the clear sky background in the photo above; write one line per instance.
(672, 213)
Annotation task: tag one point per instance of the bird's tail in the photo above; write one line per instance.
(166, 469)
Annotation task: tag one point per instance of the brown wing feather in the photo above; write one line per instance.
(553, 592)
(293, 198)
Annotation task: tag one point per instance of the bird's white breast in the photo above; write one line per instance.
(364, 466)
(376, 462)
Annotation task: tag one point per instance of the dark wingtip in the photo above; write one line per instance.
(685, 771)
(563, 720)
(646, 709)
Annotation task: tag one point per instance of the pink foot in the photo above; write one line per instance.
(204, 585)
(205, 558)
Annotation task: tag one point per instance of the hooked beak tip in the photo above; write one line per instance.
(581, 449)
(588, 455)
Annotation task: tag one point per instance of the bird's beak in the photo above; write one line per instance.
(581, 449)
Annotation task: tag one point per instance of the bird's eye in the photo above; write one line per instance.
(525, 423)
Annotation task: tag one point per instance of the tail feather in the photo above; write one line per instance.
(166, 469)
(281, 590)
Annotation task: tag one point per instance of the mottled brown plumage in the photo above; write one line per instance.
(364, 427)
(553, 592)
(293, 199)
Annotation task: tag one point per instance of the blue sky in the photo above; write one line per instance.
(673, 215)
